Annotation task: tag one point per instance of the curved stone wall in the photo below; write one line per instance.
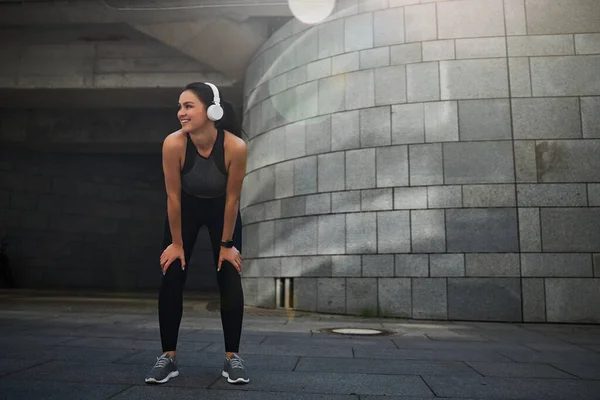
(428, 159)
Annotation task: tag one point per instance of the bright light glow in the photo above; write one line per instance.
(311, 11)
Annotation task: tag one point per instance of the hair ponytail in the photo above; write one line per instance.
(229, 122)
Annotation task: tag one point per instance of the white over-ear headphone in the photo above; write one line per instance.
(214, 111)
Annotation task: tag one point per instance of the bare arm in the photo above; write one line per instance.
(171, 169)
(235, 178)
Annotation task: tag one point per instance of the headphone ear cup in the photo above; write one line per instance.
(214, 112)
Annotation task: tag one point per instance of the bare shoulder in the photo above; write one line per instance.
(234, 144)
(174, 141)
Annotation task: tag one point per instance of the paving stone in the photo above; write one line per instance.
(580, 370)
(335, 383)
(515, 370)
(65, 353)
(151, 393)
(36, 389)
(385, 367)
(430, 355)
(8, 366)
(513, 388)
(332, 340)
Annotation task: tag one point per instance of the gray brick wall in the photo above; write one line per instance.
(457, 166)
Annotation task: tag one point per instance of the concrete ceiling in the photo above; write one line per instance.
(221, 35)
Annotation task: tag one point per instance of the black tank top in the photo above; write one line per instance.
(201, 176)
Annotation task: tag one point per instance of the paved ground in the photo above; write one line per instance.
(54, 347)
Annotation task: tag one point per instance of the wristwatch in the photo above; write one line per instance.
(227, 244)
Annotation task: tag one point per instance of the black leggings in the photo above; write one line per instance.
(195, 212)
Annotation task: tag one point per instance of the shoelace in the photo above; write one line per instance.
(161, 362)
(236, 362)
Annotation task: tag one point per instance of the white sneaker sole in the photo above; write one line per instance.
(238, 380)
(171, 375)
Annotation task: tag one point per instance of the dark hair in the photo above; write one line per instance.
(229, 122)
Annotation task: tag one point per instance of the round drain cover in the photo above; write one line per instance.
(357, 331)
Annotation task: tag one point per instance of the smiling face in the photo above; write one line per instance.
(192, 112)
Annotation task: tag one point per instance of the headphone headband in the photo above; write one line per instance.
(216, 97)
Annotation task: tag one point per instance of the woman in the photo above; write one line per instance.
(204, 165)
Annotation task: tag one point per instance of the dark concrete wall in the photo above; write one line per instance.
(89, 216)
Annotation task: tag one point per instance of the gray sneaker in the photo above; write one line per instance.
(164, 369)
(234, 370)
